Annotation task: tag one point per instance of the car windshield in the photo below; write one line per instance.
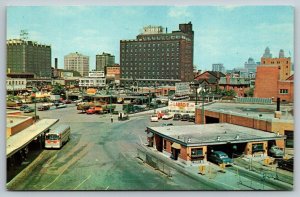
(222, 156)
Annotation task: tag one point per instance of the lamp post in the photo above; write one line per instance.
(195, 85)
(155, 99)
(34, 90)
(203, 90)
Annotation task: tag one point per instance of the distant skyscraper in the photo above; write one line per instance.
(267, 53)
(218, 67)
(281, 53)
(158, 58)
(28, 57)
(77, 62)
(251, 65)
(103, 60)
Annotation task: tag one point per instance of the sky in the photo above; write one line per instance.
(222, 34)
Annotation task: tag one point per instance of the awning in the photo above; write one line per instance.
(176, 146)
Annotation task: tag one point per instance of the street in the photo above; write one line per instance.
(100, 156)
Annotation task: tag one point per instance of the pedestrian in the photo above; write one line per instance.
(111, 119)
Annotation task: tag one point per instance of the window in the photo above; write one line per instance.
(165, 144)
(257, 147)
(197, 152)
(283, 91)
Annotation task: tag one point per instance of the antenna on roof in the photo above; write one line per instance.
(24, 34)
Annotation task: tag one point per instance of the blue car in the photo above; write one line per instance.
(220, 157)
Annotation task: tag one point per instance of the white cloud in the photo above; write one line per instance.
(228, 7)
(178, 12)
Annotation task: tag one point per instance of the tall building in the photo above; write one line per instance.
(218, 68)
(274, 79)
(267, 53)
(103, 60)
(156, 57)
(77, 62)
(283, 64)
(28, 57)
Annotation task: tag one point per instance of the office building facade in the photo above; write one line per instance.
(103, 60)
(28, 57)
(77, 62)
(218, 68)
(158, 58)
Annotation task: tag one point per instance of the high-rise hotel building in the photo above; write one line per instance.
(28, 57)
(77, 62)
(158, 58)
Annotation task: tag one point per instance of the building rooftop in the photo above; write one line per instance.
(220, 133)
(13, 120)
(253, 110)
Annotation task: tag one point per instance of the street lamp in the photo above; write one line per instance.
(203, 90)
(34, 90)
(195, 85)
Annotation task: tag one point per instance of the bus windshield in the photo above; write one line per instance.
(52, 137)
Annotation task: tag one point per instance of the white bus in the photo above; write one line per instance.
(57, 136)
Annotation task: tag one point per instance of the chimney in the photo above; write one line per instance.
(277, 112)
(55, 63)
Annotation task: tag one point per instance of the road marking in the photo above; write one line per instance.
(107, 188)
(52, 181)
(83, 182)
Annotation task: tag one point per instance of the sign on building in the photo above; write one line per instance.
(182, 88)
(181, 107)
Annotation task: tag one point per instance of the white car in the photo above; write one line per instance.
(167, 116)
(154, 118)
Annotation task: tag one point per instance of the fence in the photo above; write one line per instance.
(253, 100)
(154, 162)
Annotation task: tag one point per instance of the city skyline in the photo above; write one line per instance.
(223, 34)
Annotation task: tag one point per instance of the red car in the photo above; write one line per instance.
(91, 111)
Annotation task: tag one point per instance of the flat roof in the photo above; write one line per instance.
(21, 139)
(13, 120)
(208, 134)
(253, 110)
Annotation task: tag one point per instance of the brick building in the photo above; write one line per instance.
(28, 57)
(193, 143)
(240, 85)
(261, 117)
(158, 58)
(273, 79)
(209, 78)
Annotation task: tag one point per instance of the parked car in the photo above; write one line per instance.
(167, 116)
(286, 164)
(43, 107)
(91, 111)
(67, 101)
(177, 117)
(28, 110)
(154, 118)
(275, 151)
(185, 117)
(167, 124)
(123, 116)
(192, 118)
(61, 105)
(220, 157)
(23, 107)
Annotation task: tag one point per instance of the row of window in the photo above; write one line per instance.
(150, 50)
(15, 82)
(283, 91)
(160, 65)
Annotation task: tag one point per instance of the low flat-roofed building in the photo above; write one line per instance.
(193, 143)
(258, 116)
(17, 123)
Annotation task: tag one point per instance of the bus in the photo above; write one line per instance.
(57, 137)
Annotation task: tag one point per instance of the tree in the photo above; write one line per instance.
(250, 92)
(58, 89)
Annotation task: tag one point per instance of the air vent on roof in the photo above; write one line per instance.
(218, 138)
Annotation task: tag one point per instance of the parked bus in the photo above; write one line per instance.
(57, 137)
